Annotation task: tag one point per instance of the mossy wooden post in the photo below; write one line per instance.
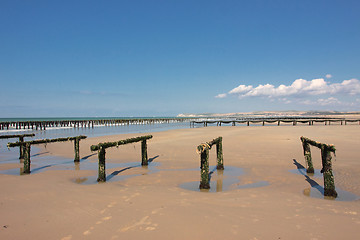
(21, 147)
(102, 173)
(219, 153)
(144, 156)
(205, 178)
(101, 152)
(27, 160)
(20, 142)
(76, 148)
(307, 155)
(329, 185)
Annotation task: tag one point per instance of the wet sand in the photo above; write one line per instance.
(265, 198)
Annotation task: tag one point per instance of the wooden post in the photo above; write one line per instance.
(76, 149)
(102, 173)
(307, 155)
(21, 147)
(144, 156)
(27, 160)
(219, 153)
(329, 185)
(205, 179)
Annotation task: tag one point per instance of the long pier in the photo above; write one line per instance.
(43, 125)
(278, 121)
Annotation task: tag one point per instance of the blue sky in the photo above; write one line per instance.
(161, 58)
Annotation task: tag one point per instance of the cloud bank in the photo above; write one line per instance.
(314, 92)
(300, 88)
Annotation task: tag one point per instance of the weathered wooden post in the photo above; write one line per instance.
(21, 140)
(204, 149)
(326, 149)
(219, 153)
(144, 156)
(77, 150)
(329, 185)
(21, 147)
(26, 147)
(101, 152)
(101, 156)
(307, 155)
(204, 158)
(27, 160)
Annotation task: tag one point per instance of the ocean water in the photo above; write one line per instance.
(11, 155)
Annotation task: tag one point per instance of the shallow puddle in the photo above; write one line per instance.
(39, 164)
(120, 174)
(223, 180)
(302, 171)
(318, 192)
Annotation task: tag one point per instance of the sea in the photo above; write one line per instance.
(11, 155)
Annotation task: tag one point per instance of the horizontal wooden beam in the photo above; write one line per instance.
(17, 136)
(320, 145)
(117, 143)
(41, 141)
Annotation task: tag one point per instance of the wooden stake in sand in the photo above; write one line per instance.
(27, 147)
(203, 150)
(307, 155)
(101, 147)
(326, 149)
(21, 139)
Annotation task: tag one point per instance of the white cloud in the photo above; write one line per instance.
(328, 101)
(241, 89)
(221, 95)
(300, 87)
(328, 76)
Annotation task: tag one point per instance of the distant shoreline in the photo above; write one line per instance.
(271, 114)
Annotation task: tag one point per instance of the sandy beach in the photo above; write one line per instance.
(260, 195)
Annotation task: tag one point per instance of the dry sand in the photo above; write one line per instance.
(151, 205)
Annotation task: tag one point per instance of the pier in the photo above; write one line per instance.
(90, 123)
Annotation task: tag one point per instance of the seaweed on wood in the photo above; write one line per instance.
(101, 148)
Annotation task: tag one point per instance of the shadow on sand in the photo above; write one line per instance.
(115, 173)
(317, 191)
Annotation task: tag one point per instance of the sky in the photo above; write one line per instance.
(87, 58)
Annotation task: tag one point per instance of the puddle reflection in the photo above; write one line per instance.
(316, 190)
(114, 176)
(223, 180)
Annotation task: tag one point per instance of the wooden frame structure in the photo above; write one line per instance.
(326, 149)
(27, 147)
(21, 139)
(203, 150)
(101, 147)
